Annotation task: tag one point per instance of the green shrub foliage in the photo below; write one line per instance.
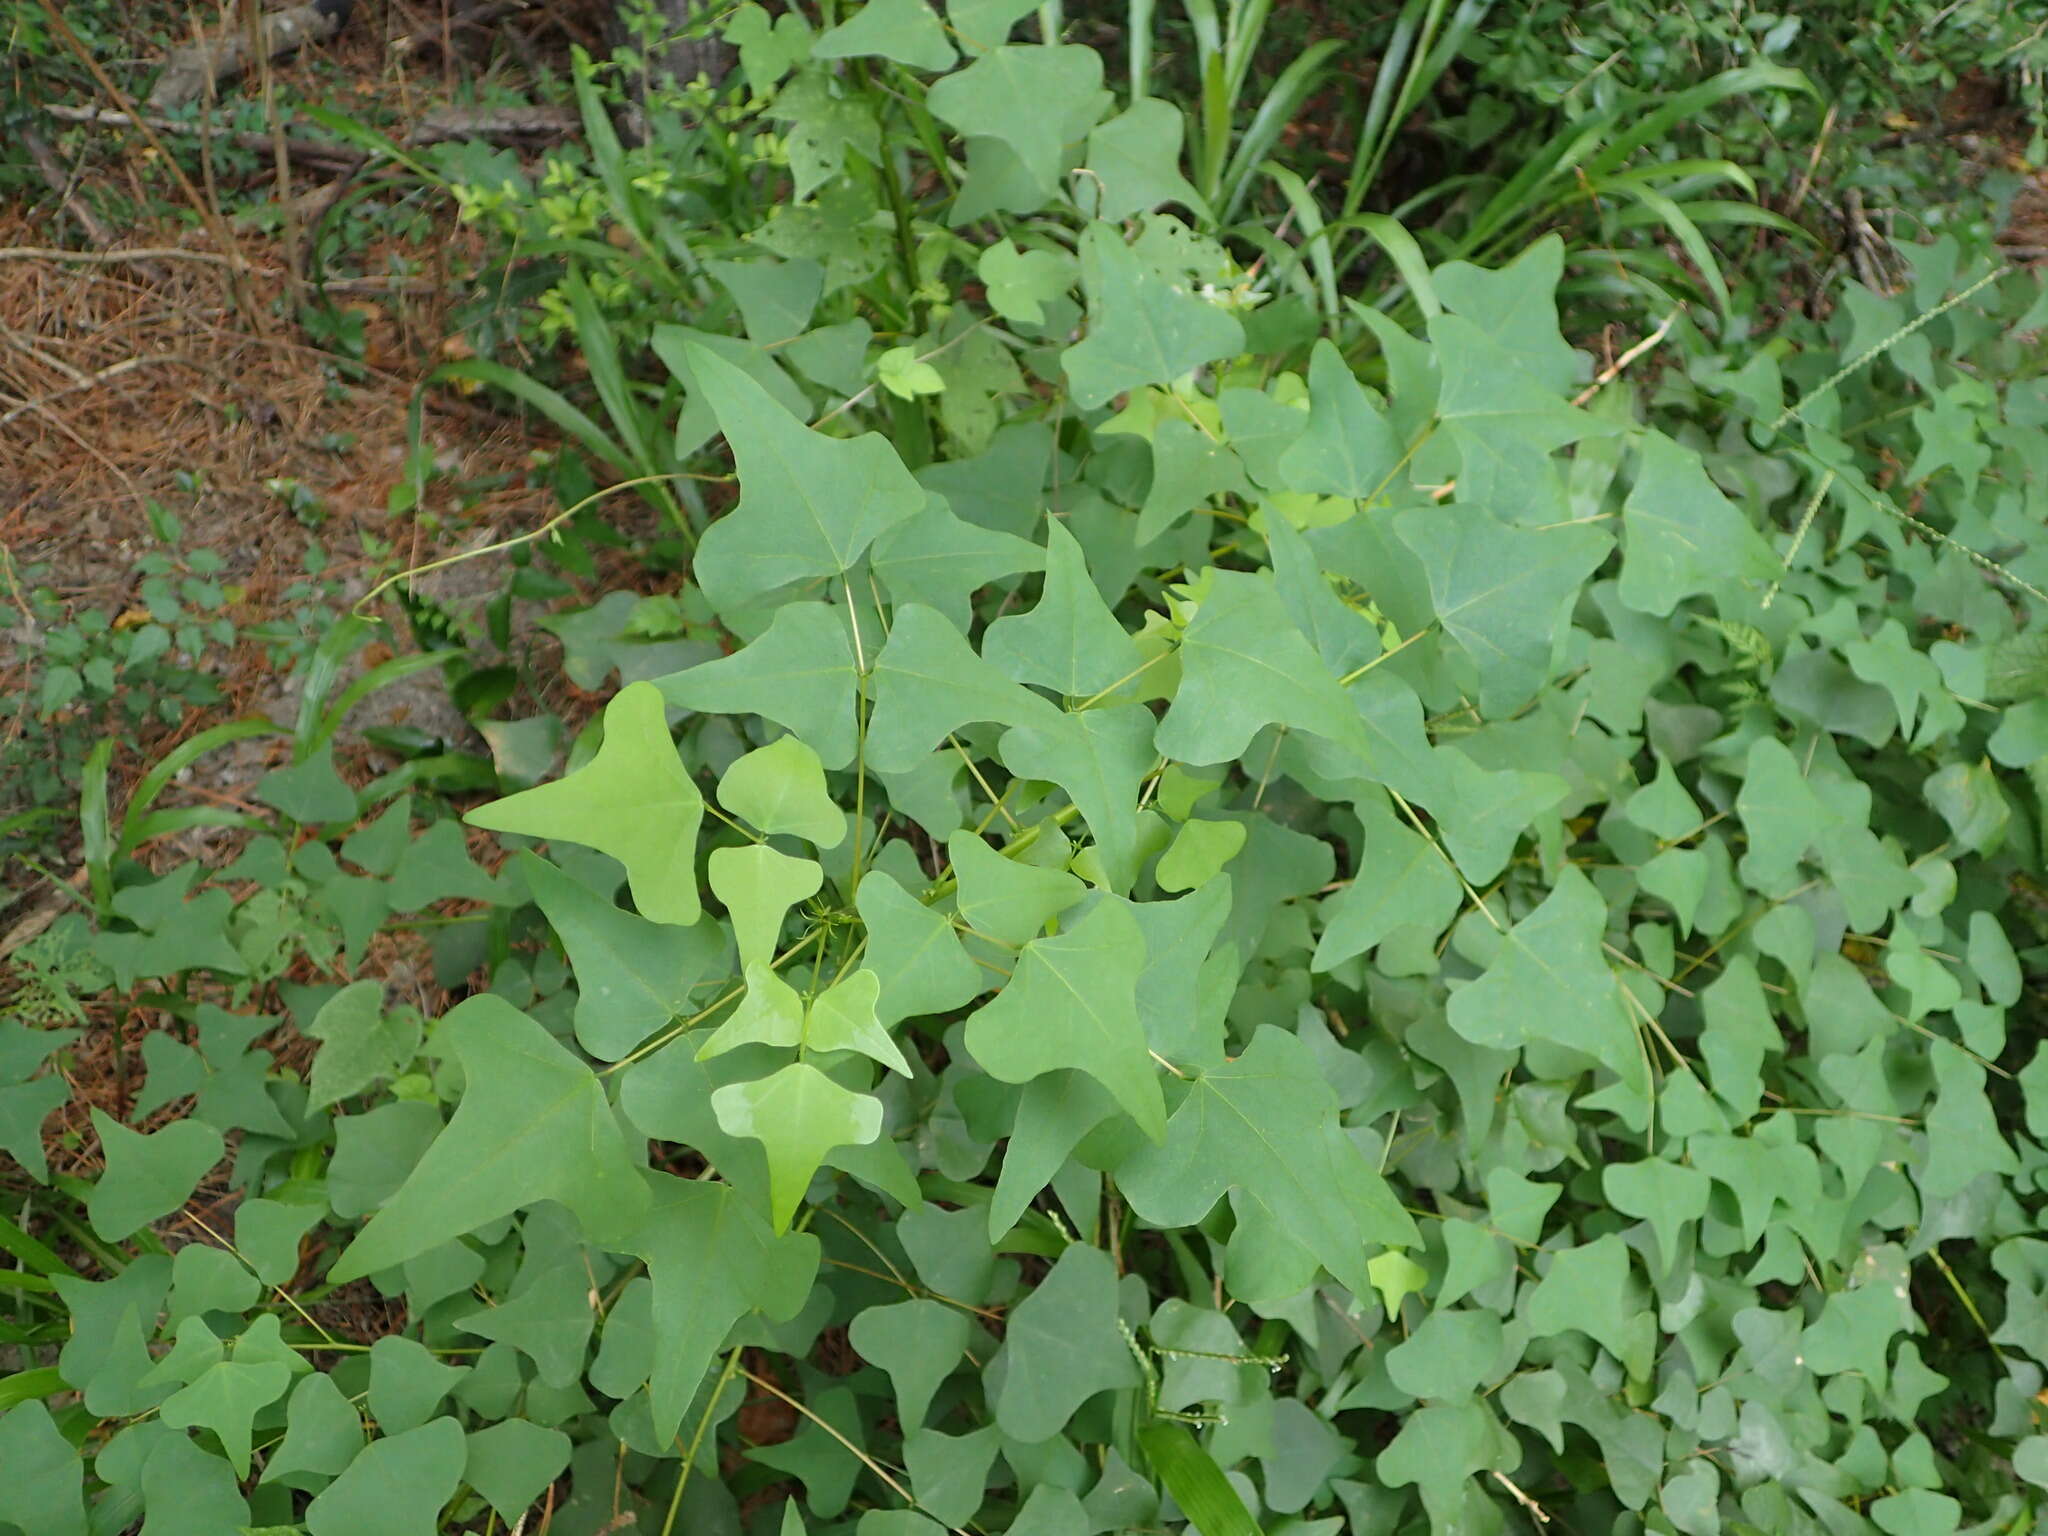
(1265, 921)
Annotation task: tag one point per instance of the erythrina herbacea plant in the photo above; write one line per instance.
(1258, 925)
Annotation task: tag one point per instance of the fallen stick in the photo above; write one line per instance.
(337, 157)
(192, 69)
(470, 17)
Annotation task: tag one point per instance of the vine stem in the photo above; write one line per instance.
(675, 1500)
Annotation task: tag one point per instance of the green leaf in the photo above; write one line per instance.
(1669, 1196)
(798, 1114)
(1007, 899)
(547, 1317)
(1501, 591)
(810, 504)
(1101, 758)
(799, 673)
(1144, 328)
(1441, 1446)
(1072, 1002)
(45, 1478)
(1680, 535)
(780, 788)
(1135, 159)
(929, 683)
(1189, 470)
(915, 952)
(512, 1462)
(903, 30)
(1266, 1124)
(396, 1487)
(713, 1261)
(407, 1383)
(1061, 1347)
(634, 800)
(633, 976)
(1448, 1356)
(1549, 981)
(147, 1176)
(758, 886)
(1348, 449)
(23, 1109)
(1401, 882)
(226, 1398)
(359, 1043)
(533, 1124)
(309, 792)
(1025, 98)
(323, 1435)
(1069, 642)
(1589, 1288)
(941, 560)
(918, 1343)
(1244, 665)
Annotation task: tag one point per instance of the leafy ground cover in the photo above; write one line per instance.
(1275, 850)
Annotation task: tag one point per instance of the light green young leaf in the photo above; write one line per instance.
(759, 885)
(769, 1012)
(634, 800)
(533, 1124)
(914, 950)
(1199, 852)
(1144, 328)
(798, 1114)
(811, 504)
(633, 976)
(1069, 642)
(147, 1177)
(842, 1018)
(1072, 1002)
(1680, 534)
(1021, 283)
(903, 30)
(780, 788)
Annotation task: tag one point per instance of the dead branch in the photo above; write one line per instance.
(475, 17)
(191, 70)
